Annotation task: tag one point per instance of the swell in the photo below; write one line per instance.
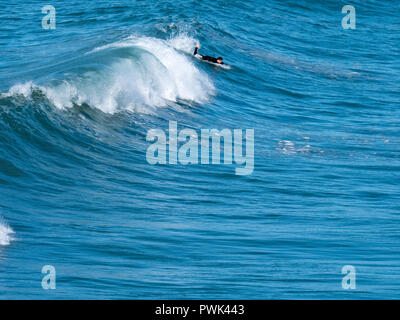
(73, 116)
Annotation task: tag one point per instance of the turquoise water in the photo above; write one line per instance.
(76, 190)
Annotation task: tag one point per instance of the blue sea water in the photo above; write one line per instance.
(76, 190)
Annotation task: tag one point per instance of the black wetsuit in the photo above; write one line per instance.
(207, 58)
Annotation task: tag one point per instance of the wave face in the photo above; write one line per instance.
(77, 102)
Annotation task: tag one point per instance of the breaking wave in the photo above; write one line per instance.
(136, 74)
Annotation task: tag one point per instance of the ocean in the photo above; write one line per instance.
(83, 85)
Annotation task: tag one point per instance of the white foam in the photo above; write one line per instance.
(158, 75)
(5, 234)
(24, 89)
(286, 147)
(183, 42)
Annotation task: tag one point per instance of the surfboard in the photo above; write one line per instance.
(223, 66)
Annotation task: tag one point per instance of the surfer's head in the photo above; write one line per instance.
(219, 60)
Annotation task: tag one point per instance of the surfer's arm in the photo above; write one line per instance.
(196, 51)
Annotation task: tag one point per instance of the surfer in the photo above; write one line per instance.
(207, 58)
